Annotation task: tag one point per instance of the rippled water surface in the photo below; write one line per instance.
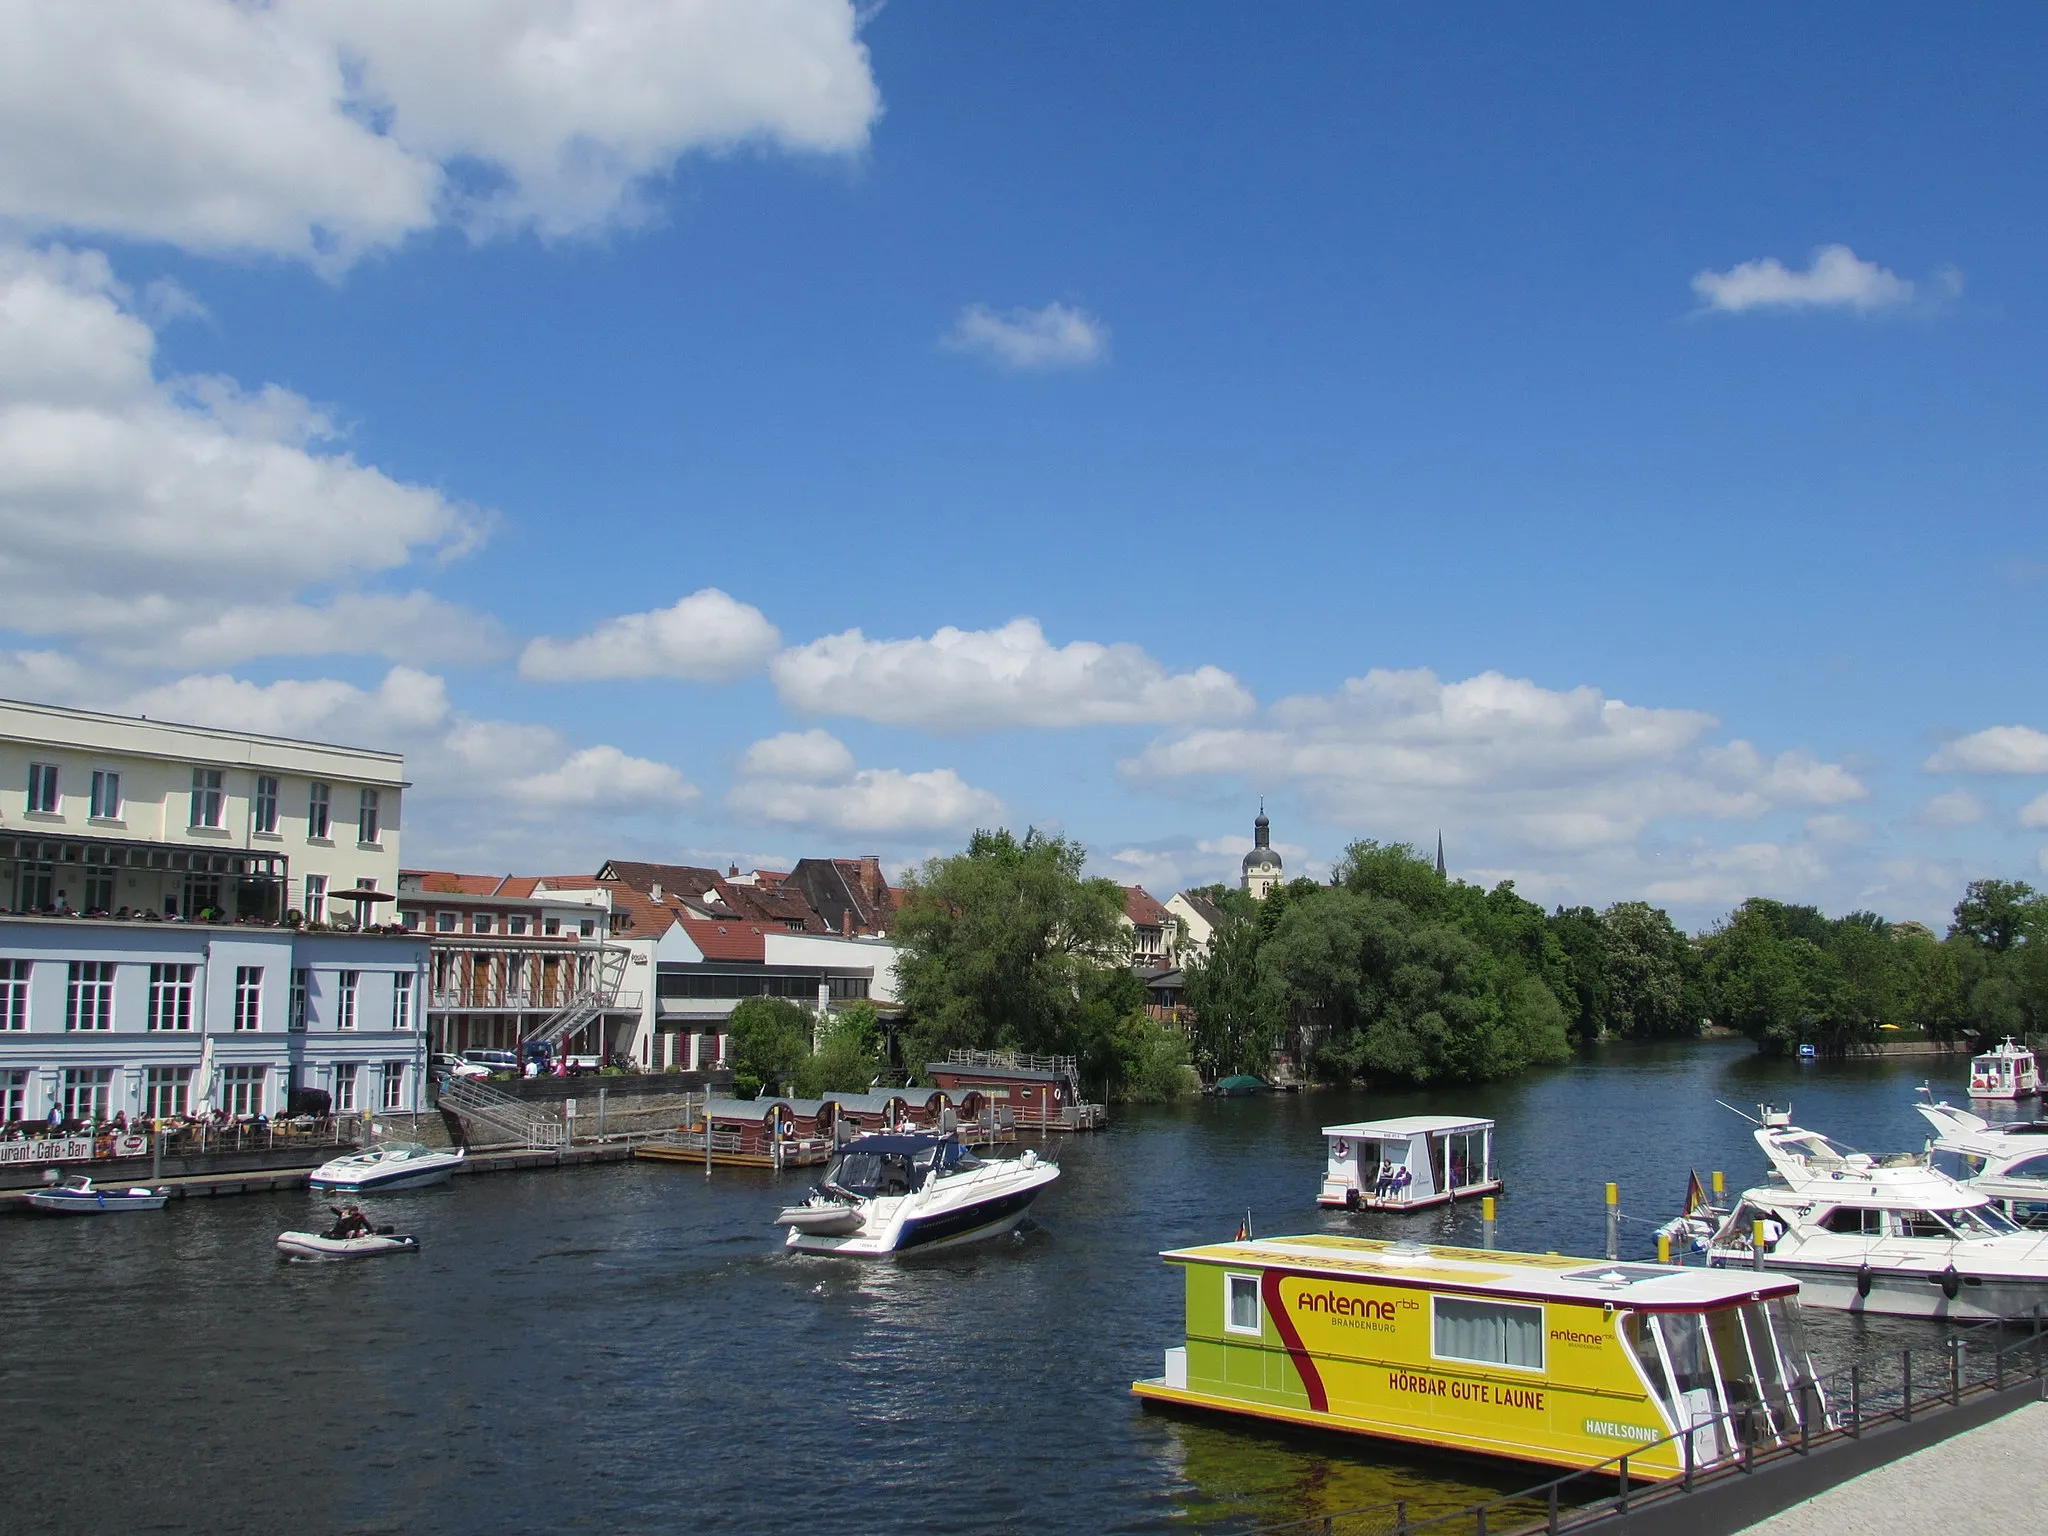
(627, 1348)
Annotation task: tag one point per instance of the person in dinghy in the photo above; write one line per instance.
(350, 1221)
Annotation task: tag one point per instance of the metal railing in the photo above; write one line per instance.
(1842, 1405)
(523, 1122)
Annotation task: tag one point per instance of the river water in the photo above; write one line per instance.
(627, 1348)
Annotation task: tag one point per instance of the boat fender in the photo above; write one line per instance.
(1951, 1282)
(1863, 1280)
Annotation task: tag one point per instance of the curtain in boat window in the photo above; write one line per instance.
(1489, 1332)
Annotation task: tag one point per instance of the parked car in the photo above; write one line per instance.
(492, 1061)
(442, 1066)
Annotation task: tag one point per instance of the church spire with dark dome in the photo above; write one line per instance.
(1261, 870)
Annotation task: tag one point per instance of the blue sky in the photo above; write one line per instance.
(744, 429)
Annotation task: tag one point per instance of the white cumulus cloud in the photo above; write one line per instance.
(2035, 812)
(1565, 771)
(706, 637)
(320, 129)
(1957, 808)
(809, 779)
(1836, 279)
(1998, 749)
(965, 680)
(1030, 340)
(179, 519)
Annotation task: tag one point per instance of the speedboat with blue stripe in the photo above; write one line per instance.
(890, 1193)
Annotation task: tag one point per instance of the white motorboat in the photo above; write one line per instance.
(387, 1169)
(318, 1245)
(2007, 1071)
(1891, 1235)
(886, 1193)
(79, 1196)
(2007, 1160)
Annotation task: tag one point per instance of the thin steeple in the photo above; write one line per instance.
(1439, 853)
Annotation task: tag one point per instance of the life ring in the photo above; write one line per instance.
(1863, 1281)
(1057, 1095)
(1343, 1149)
(1951, 1282)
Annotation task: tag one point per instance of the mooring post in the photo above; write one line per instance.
(1720, 1186)
(600, 1111)
(1486, 1220)
(1756, 1244)
(156, 1146)
(1663, 1247)
(1614, 1221)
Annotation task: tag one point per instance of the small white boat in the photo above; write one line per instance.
(2008, 1071)
(79, 1196)
(387, 1169)
(887, 1193)
(2007, 1160)
(1407, 1164)
(318, 1245)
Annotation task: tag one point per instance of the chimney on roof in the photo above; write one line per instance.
(654, 891)
(846, 922)
(871, 881)
(732, 872)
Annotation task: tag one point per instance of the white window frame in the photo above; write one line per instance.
(13, 1095)
(345, 1087)
(1231, 1279)
(319, 809)
(265, 807)
(516, 926)
(90, 1088)
(43, 797)
(166, 1092)
(1542, 1338)
(345, 993)
(209, 798)
(89, 996)
(367, 802)
(316, 898)
(170, 998)
(394, 1087)
(295, 1015)
(480, 922)
(14, 976)
(242, 1088)
(401, 1002)
(248, 997)
(105, 804)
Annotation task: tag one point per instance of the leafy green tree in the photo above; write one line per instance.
(1582, 935)
(849, 1053)
(1779, 989)
(1153, 1061)
(771, 1041)
(1238, 1018)
(1645, 972)
(1999, 915)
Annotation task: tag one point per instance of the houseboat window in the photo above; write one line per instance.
(1242, 1315)
(1855, 1222)
(1489, 1332)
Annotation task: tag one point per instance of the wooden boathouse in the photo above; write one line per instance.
(1038, 1092)
(751, 1133)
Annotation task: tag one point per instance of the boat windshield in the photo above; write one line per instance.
(1816, 1148)
(871, 1174)
(1955, 1165)
(1729, 1376)
(1981, 1221)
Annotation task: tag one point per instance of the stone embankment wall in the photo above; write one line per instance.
(637, 1103)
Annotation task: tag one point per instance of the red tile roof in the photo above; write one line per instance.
(1141, 908)
(727, 941)
(647, 919)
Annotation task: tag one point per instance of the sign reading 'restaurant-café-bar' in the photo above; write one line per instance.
(66, 1149)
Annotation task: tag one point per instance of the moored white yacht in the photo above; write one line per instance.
(1889, 1235)
(2007, 1071)
(2006, 1160)
(388, 1169)
(887, 1193)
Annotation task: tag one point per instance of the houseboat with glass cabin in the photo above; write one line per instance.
(1567, 1362)
(1407, 1164)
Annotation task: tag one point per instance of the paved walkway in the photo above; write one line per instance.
(1980, 1483)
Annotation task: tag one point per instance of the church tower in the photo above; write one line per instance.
(1262, 864)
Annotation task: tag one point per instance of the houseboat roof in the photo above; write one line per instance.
(996, 1073)
(1535, 1276)
(871, 1103)
(1408, 1125)
(741, 1109)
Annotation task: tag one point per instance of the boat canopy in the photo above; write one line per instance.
(1407, 1126)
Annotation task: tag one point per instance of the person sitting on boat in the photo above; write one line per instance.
(1398, 1186)
(1383, 1182)
(351, 1223)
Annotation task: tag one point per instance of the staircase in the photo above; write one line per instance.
(585, 1006)
(514, 1120)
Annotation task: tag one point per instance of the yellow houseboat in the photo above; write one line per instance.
(1569, 1362)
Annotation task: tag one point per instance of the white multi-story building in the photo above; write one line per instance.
(170, 939)
(100, 813)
